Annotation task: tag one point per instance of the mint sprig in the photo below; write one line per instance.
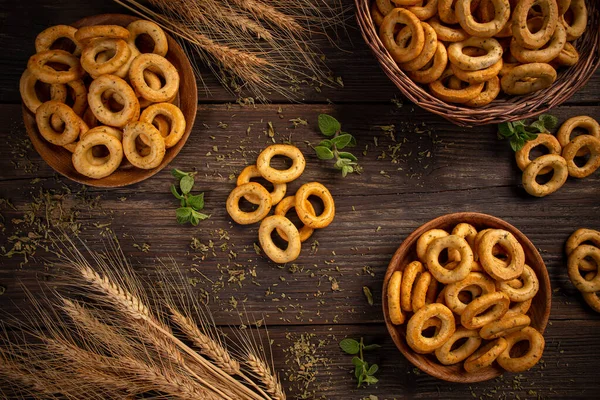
(519, 132)
(363, 372)
(330, 149)
(190, 204)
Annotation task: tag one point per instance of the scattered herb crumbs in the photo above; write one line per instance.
(368, 295)
(305, 365)
(144, 247)
(298, 122)
(222, 125)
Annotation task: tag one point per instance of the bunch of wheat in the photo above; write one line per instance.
(262, 46)
(100, 334)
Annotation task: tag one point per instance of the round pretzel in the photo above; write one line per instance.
(376, 14)
(528, 290)
(543, 139)
(425, 12)
(589, 124)
(409, 276)
(91, 156)
(580, 20)
(574, 147)
(37, 65)
(71, 121)
(159, 65)
(286, 205)
(29, 95)
(463, 268)
(491, 90)
(561, 173)
(173, 114)
(276, 254)
(424, 291)
(416, 325)
(119, 48)
(465, 231)
(393, 298)
(533, 355)
(485, 356)
(519, 308)
(386, 32)
(435, 70)
(425, 240)
(446, 33)
(131, 106)
(474, 63)
(428, 52)
(496, 268)
(154, 140)
(83, 152)
(476, 314)
(486, 29)
(309, 218)
(446, 11)
(591, 298)
(517, 81)
(263, 163)
(459, 96)
(253, 189)
(153, 81)
(575, 258)
(563, 6)
(483, 75)
(504, 326)
(448, 356)
(521, 33)
(474, 279)
(279, 189)
(46, 38)
(136, 28)
(578, 237)
(86, 33)
(542, 55)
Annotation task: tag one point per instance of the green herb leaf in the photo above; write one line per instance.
(519, 132)
(196, 217)
(350, 346)
(369, 380)
(538, 126)
(324, 153)
(368, 295)
(186, 184)
(371, 347)
(549, 121)
(345, 170)
(374, 368)
(176, 193)
(326, 143)
(196, 201)
(178, 173)
(328, 125)
(184, 214)
(349, 156)
(505, 130)
(357, 362)
(341, 141)
(352, 140)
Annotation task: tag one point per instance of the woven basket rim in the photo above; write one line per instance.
(504, 109)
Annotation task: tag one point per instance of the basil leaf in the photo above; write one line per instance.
(328, 125)
(549, 121)
(350, 346)
(349, 156)
(183, 214)
(199, 216)
(538, 126)
(326, 143)
(357, 362)
(178, 173)
(176, 193)
(196, 202)
(324, 153)
(186, 184)
(341, 141)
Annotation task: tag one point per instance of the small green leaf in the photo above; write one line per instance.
(196, 202)
(341, 141)
(505, 130)
(357, 362)
(374, 368)
(186, 184)
(349, 156)
(199, 216)
(324, 153)
(371, 347)
(352, 140)
(350, 346)
(326, 143)
(549, 121)
(517, 143)
(369, 380)
(368, 295)
(176, 193)
(328, 125)
(538, 126)
(178, 173)
(345, 171)
(183, 214)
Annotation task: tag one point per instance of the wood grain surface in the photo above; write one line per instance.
(425, 169)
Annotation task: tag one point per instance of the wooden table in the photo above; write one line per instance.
(317, 301)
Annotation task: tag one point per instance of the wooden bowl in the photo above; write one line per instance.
(539, 311)
(60, 159)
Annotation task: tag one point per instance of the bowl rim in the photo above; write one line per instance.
(186, 72)
(405, 248)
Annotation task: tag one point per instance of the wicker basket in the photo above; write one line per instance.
(505, 108)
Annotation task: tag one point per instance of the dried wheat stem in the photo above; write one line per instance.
(266, 376)
(269, 13)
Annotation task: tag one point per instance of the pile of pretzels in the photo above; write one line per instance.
(109, 103)
(468, 51)
(488, 291)
(583, 251)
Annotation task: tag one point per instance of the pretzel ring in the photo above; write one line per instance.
(448, 33)
(155, 141)
(386, 32)
(131, 106)
(543, 139)
(136, 28)
(425, 240)
(521, 32)
(446, 12)
(253, 189)
(309, 218)
(279, 189)
(561, 173)
(263, 163)
(376, 14)
(542, 55)
(409, 276)
(563, 6)
(437, 68)
(29, 95)
(424, 292)
(46, 38)
(583, 121)
(276, 254)
(474, 63)
(428, 52)
(483, 75)
(459, 96)
(578, 237)
(574, 147)
(159, 65)
(67, 116)
(575, 258)
(119, 48)
(425, 12)
(580, 20)
(533, 355)
(474, 279)
(485, 356)
(591, 298)
(282, 209)
(519, 308)
(517, 81)
(416, 325)
(393, 298)
(86, 33)
(384, 6)
(174, 114)
(527, 291)
(37, 65)
(92, 158)
(476, 314)
(463, 268)
(567, 57)
(486, 29)
(504, 326)
(82, 153)
(447, 356)
(465, 231)
(490, 92)
(153, 82)
(496, 268)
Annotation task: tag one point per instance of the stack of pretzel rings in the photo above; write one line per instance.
(563, 149)
(468, 51)
(584, 264)
(108, 101)
(482, 292)
(257, 194)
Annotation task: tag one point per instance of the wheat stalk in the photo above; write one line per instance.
(263, 372)
(269, 13)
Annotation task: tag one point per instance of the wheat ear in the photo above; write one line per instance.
(263, 372)
(269, 13)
